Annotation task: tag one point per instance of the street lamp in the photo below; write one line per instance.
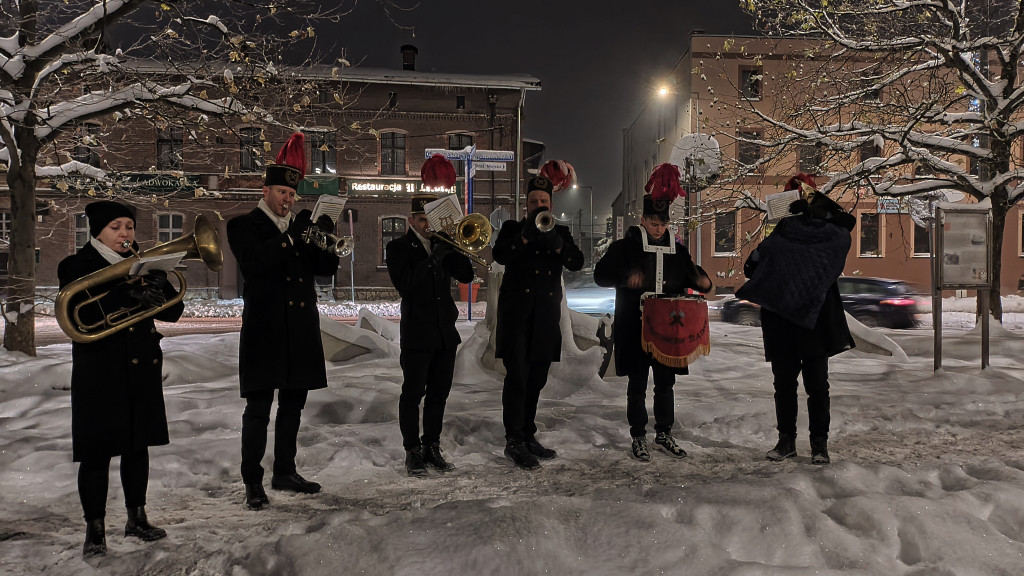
(591, 242)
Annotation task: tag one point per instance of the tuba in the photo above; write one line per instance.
(468, 236)
(203, 244)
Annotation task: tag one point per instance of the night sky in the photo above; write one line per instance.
(597, 66)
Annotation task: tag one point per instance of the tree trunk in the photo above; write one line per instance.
(19, 305)
(999, 209)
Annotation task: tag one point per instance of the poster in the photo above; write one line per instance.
(965, 240)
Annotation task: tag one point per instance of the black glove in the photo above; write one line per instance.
(553, 240)
(530, 231)
(439, 249)
(135, 293)
(299, 225)
(799, 206)
(155, 278)
(325, 224)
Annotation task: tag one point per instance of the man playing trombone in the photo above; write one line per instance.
(421, 265)
(528, 339)
(280, 347)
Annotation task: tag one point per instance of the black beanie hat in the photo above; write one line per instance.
(104, 212)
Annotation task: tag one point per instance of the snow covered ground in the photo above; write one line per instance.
(927, 475)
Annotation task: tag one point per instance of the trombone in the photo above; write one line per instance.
(203, 244)
(467, 236)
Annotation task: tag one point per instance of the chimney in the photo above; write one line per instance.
(409, 57)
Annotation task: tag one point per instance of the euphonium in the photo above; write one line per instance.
(203, 244)
(469, 236)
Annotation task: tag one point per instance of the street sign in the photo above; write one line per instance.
(490, 166)
(498, 155)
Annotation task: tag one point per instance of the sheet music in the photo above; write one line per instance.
(166, 262)
(443, 213)
(330, 205)
(778, 204)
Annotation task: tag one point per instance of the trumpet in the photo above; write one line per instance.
(468, 236)
(341, 246)
(203, 244)
(545, 221)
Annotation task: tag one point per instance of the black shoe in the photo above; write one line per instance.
(519, 454)
(538, 449)
(786, 448)
(819, 451)
(640, 450)
(95, 539)
(432, 456)
(255, 496)
(294, 483)
(139, 527)
(414, 464)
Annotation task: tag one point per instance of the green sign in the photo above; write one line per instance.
(318, 185)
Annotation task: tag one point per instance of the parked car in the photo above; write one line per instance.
(591, 299)
(872, 301)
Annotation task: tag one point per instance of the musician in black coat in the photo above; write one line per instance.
(631, 270)
(117, 404)
(280, 346)
(528, 338)
(421, 266)
(792, 275)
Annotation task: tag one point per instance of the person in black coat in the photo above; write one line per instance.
(422, 266)
(527, 333)
(280, 346)
(792, 274)
(631, 270)
(117, 404)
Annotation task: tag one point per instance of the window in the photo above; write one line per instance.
(168, 148)
(250, 150)
(5, 226)
(725, 233)
(869, 237)
(323, 156)
(747, 153)
(392, 154)
(921, 240)
(392, 100)
(750, 83)
(81, 229)
(391, 227)
(85, 139)
(809, 158)
(168, 227)
(458, 142)
(872, 95)
(975, 167)
(869, 150)
(460, 102)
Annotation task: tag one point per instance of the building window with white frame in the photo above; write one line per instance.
(86, 138)
(809, 156)
(392, 154)
(169, 145)
(391, 228)
(870, 237)
(5, 227)
(323, 155)
(81, 230)
(459, 142)
(921, 243)
(725, 234)
(250, 150)
(169, 227)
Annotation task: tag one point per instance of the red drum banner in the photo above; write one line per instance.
(675, 329)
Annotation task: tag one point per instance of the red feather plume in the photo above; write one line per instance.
(795, 181)
(293, 153)
(664, 183)
(561, 174)
(438, 172)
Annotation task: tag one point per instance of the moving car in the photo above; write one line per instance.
(879, 302)
(591, 299)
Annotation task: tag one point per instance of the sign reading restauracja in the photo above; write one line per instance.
(392, 187)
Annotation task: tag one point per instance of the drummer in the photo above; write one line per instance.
(632, 265)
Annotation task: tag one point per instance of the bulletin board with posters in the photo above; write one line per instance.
(964, 247)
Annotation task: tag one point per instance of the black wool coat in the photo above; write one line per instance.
(425, 285)
(624, 257)
(280, 345)
(117, 402)
(530, 298)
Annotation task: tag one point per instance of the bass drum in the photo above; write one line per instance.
(675, 329)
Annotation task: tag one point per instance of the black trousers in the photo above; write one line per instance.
(664, 400)
(426, 374)
(255, 420)
(786, 367)
(92, 483)
(523, 382)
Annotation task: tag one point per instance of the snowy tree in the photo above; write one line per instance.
(64, 62)
(913, 97)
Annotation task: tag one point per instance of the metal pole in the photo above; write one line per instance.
(591, 227)
(352, 258)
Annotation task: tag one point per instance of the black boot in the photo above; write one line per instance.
(786, 448)
(519, 454)
(95, 539)
(414, 465)
(294, 483)
(819, 451)
(138, 526)
(432, 455)
(256, 496)
(538, 449)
